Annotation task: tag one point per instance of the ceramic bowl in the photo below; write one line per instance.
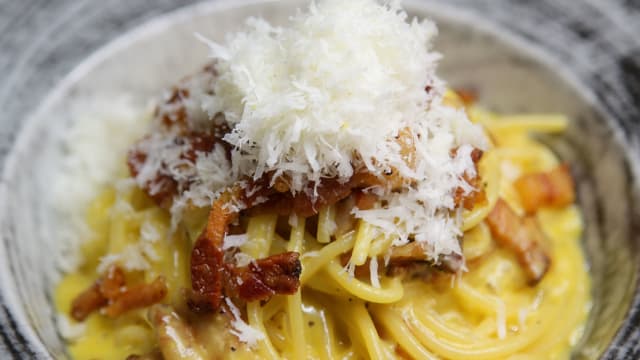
(519, 58)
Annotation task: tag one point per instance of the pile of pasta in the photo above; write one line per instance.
(348, 304)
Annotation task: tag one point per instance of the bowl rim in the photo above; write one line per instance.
(25, 339)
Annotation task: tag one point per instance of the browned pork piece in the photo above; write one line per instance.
(87, 302)
(553, 189)
(212, 278)
(523, 236)
(413, 253)
(111, 292)
(98, 294)
(410, 260)
(137, 296)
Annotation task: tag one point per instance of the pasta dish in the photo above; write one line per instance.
(316, 191)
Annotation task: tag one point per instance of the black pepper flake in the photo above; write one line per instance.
(311, 323)
(233, 348)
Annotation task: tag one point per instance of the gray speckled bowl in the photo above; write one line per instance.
(524, 57)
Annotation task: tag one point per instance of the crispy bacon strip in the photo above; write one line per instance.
(554, 189)
(110, 291)
(263, 278)
(365, 200)
(522, 236)
(112, 283)
(208, 268)
(329, 192)
(536, 257)
(409, 259)
(413, 252)
(137, 296)
(212, 278)
(87, 302)
(208, 272)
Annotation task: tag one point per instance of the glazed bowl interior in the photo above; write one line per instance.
(508, 76)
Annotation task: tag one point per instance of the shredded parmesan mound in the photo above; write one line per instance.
(346, 85)
(335, 88)
(340, 80)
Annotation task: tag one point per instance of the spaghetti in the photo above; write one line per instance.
(487, 312)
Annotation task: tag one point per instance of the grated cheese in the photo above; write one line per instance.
(93, 148)
(136, 256)
(243, 331)
(242, 259)
(307, 103)
(303, 100)
(210, 173)
(234, 241)
(149, 232)
(132, 257)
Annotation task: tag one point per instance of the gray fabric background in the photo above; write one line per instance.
(41, 41)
